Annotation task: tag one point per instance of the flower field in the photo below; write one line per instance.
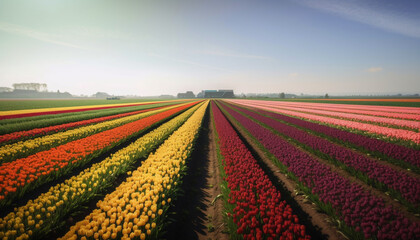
(312, 161)
(273, 170)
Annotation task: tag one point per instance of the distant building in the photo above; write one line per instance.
(187, 94)
(101, 95)
(216, 94)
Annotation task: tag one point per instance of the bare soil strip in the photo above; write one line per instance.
(197, 212)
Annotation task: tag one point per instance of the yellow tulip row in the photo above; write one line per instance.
(43, 213)
(135, 208)
(25, 148)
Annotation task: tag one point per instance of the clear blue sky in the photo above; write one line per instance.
(165, 47)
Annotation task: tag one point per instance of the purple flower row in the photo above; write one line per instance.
(409, 155)
(408, 186)
(358, 208)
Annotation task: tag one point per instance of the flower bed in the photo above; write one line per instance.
(259, 211)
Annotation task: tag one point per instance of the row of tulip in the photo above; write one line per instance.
(40, 216)
(28, 123)
(37, 132)
(357, 164)
(377, 112)
(136, 209)
(369, 128)
(25, 174)
(390, 122)
(357, 109)
(358, 213)
(372, 108)
(259, 212)
(38, 112)
(21, 149)
(397, 152)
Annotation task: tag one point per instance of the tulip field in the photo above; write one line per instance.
(284, 170)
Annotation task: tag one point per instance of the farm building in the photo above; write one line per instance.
(216, 94)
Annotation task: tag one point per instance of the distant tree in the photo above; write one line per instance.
(35, 86)
(282, 95)
(5, 89)
(30, 86)
(326, 96)
(43, 87)
(188, 94)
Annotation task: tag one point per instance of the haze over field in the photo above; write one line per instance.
(166, 47)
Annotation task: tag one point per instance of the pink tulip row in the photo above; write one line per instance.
(370, 128)
(371, 112)
(390, 109)
(350, 116)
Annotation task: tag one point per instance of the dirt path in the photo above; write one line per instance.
(196, 216)
(215, 209)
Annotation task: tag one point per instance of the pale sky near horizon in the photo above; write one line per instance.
(166, 47)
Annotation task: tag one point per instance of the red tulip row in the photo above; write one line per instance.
(61, 127)
(23, 174)
(259, 211)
